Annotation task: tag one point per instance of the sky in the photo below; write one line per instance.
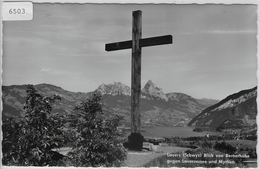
(213, 55)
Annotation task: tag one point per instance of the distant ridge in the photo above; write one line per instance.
(157, 108)
(238, 108)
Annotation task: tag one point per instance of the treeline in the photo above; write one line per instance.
(94, 140)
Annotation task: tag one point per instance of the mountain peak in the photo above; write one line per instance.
(150, 82)
(115, 88)
(151, 90)
(117, 83)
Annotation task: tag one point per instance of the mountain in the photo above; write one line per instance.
(151, 91)
(115, 88)
(157, 108)
(14, 97)
(177, 96)
(236, 111)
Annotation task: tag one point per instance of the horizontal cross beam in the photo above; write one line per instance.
(159, 40)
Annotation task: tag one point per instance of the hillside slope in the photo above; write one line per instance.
(236, 111)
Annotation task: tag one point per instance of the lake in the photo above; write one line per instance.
(173, 132)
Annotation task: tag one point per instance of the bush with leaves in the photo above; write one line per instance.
(38, 133)
(11, 130)
(225, 148)
(98, 140)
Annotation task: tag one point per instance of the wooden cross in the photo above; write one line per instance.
(135, 140)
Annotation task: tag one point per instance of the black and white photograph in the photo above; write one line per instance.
(130, 85)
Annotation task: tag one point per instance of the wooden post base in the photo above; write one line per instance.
(135, 142)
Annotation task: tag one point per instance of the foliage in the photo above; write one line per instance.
(11, 130)
(38, 133)
(206, 144)
(225, 148)
(252, 137)
(252, 153)
(97, 141)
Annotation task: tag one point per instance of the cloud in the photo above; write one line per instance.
(59, 72)
(236, 67)
(233, 32)
(230, 31)
(45, 70)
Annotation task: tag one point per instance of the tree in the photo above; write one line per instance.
(38, 133)
(11, 130)
(97, 139)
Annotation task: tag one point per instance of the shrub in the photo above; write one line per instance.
(252, 153)
(36, 135)
(225, 148)
(10, 130)
(206, 144)
(97, 140)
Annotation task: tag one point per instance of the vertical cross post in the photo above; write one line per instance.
(135, 140)
(136, 71)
